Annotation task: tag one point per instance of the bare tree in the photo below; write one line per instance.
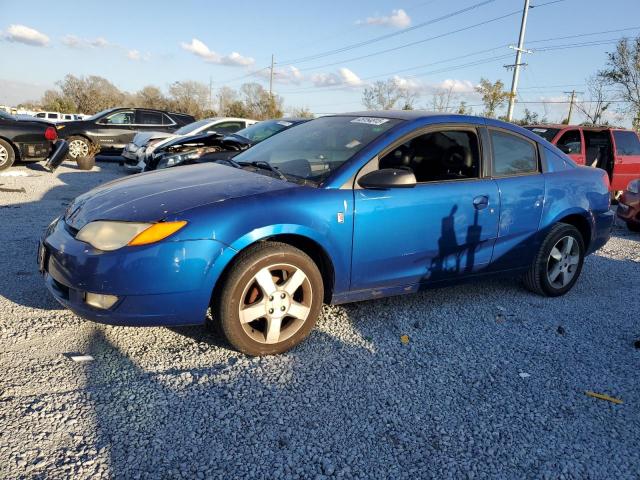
(90, 94)
(150, 97)
(189, 97)
(225, 97)
(55, 101)
(382, 95)
(259, 103)
(493, 96)
(596, 104)
(302, 112)
(623, 72)
(441, 99)
(464, 109)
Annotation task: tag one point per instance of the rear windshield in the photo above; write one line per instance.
(547, 133)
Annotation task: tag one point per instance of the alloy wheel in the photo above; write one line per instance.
(4, 155)
(563, 262)
(78, 148)
(275, 303)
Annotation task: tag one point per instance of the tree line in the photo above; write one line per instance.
(618, 81)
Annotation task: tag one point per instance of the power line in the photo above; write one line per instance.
(386, 36)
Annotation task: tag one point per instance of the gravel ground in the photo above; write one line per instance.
(491, 383)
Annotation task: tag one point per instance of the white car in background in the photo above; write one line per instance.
(144, 143)
(59, 117)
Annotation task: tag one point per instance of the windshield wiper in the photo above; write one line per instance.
(266, 166)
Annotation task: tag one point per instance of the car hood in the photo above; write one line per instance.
(142, 138)
(153, 196)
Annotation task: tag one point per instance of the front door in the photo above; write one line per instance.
(627, 159)
(116, 130)
(442, 228)
(571, 143)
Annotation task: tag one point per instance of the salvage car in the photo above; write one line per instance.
(145, 143)
(112, 129)
(24, 140)
(629, 206)
(212, 147)
(614, 150)
(339, 209)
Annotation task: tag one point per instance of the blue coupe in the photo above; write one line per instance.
(343, 208)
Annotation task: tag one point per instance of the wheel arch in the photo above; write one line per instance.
(297, 236)
(16, 150)
(580, 221)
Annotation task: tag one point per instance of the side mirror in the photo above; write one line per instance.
(388, 178)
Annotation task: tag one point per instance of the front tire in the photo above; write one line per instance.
(270, 299)
(558, 263)
(7, 155)
(78, 147)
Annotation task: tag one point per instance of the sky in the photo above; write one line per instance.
(325, 52)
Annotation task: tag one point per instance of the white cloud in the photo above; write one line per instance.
(286, 75)
(343, 78)
(134, 55)
(397, 19)
(73, 41)
(26, 35)
(200, 49)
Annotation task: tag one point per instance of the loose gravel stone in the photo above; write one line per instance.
(350, 402)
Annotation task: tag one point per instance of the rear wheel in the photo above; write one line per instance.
(78, 147)
(270, 300)
(558, 263)
(7, 155)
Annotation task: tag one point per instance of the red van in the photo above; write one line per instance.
(615, 150)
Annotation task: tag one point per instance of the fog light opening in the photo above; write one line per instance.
(99, 300)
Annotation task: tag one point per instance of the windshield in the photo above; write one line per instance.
(192, 127)
(547, 133)
(96, 116)
(314, 149)
(263, 130)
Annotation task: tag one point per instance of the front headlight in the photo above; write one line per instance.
(177, 159)
(108, 236)
(634, 186)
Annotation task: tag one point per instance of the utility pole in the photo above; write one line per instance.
(572, 101)
(271, 88)
(516, 67)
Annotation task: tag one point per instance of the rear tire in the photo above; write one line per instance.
(634, 227)
(78, 147)
(270, 300)
(558, 263)
(7, 155)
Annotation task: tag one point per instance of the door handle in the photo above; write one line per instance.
(481, 201)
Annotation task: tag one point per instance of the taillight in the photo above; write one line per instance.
(50, 134)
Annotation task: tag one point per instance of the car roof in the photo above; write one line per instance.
(562, 126)
(395, 114)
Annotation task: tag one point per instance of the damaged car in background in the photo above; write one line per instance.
(146, 142)
(216, 147)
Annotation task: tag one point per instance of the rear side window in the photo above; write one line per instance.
(512, 155)
(627, 143)
(167, 120)
(150, 118)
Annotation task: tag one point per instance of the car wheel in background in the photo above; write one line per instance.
(634, 227)
(558, 263)
(78, 147)
(7, 155)
(270, 299)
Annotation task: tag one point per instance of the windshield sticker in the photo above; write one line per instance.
(370, 120)
(541, 130)
(285, 124)
(352, 143)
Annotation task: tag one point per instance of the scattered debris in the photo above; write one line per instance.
(561, 330)
(404, 339)
(11, 190)
(81, 358)
(524, 375)
(602, 396)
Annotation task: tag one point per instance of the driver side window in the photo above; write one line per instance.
(438, 156)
